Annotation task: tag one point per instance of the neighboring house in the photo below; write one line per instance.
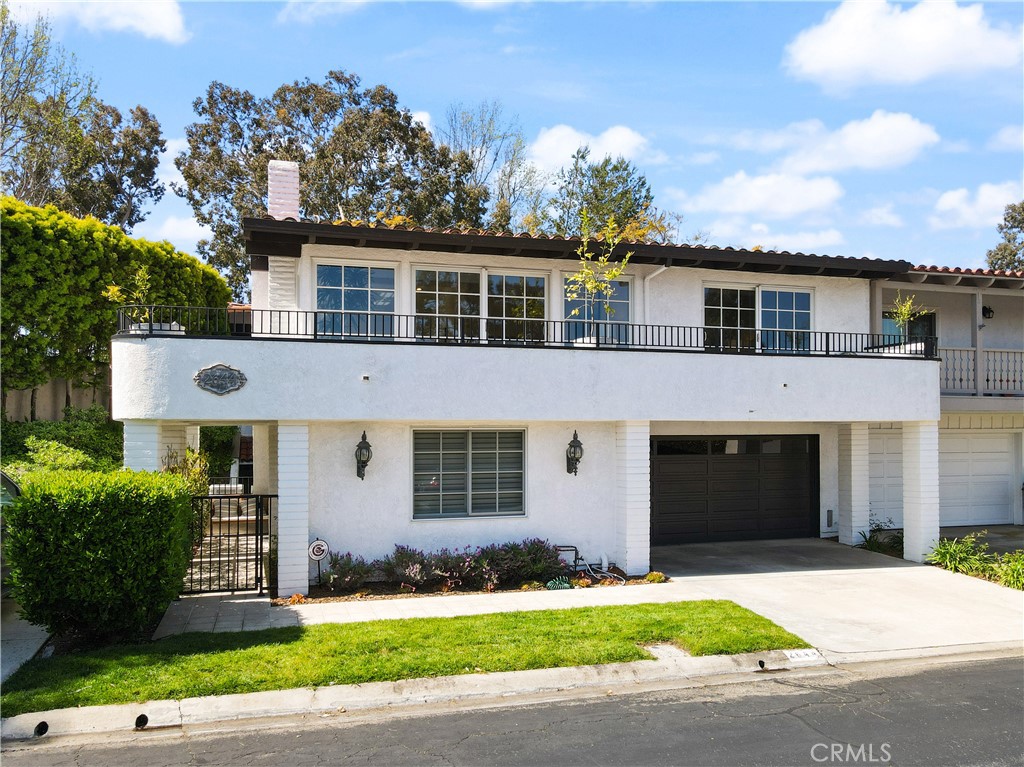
(732, 394)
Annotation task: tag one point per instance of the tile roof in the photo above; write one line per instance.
(1015, 274)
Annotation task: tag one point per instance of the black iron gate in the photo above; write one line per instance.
(231, 536)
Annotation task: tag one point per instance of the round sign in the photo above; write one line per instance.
(319, 550)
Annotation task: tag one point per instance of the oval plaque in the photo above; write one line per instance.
(220, 379)
(318, 550)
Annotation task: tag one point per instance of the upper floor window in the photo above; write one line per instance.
(515, 307)
(921, 326)
(605, 316)
(447, 304)
(355, 300)
(731, 318)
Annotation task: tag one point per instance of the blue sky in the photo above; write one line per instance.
(863, 128)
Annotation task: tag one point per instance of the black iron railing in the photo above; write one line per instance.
(230, 534)
(262, 324)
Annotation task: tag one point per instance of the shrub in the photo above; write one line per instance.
(218, 443)
(656, 577)
(98, 556)
(346, 572)
(89, 430)
(406, 565)
(47, 455)
(966, 555)
(1008, 570)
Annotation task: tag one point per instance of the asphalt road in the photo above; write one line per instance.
(900, 714)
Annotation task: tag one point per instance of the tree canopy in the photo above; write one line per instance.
(61, 145)
(361, 156)
(55, 268)
(1009, 254)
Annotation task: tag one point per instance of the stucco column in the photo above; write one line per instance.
(633, 496)
(920, 488)
(142, 449)
(292, 508)
(264, 459)
(854, 483)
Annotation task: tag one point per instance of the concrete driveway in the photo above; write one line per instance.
(849, 603)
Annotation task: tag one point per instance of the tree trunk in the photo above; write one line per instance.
(32, 404)
(67, 394)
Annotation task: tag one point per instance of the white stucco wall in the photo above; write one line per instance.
(954, 317)
(294, 380)
(368, 517)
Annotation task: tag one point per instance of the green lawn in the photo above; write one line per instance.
(190, 665)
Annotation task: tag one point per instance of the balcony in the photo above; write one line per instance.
(366, 327)
(1001, 372)
(324, 366)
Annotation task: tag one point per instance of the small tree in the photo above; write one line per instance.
(595, 279)
(904, 311)
(1009, 254)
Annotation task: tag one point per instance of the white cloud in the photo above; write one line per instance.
(308, 11)
(702, 158)
(871, 41)
(884, 140)
(182, 231)
(166, 172)
(739, 232)
(957, 209)
(773, 195)
(423, 117)
(155, 19)
(554, 147)
(1009, 139)
(883, 215)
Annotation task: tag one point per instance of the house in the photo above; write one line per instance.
(730, 394)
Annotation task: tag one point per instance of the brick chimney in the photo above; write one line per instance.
(283, 189)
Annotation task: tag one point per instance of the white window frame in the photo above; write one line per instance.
(503, 272)
(482, 316)
(758, 287)
(469, 474)
(394, 266)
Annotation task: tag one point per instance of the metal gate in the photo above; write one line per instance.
(230, 536)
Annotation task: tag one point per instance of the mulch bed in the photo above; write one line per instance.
(376, 591)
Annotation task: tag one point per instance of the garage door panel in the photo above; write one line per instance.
(739, 496)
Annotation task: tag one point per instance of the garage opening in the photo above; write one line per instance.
(733, 488)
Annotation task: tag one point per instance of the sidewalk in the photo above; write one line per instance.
(19, 640)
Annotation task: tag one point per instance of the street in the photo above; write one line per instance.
(901, 713)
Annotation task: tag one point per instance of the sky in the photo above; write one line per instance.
(863, 128)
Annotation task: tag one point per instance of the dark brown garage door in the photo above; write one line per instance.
(733, 488)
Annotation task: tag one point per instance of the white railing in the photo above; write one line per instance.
(1001, 371)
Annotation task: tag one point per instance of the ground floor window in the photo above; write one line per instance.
(468, 473)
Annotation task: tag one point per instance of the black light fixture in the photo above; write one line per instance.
(987, 312)
(363, 456)
(573, 454)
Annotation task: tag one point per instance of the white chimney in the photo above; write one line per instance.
(283, 189)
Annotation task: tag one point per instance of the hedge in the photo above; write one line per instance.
(98, 556)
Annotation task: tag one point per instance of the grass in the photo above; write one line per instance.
(195, 664)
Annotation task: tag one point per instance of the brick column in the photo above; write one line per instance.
(633, 496)
(920, 488)
(292, 508)
(854, 483)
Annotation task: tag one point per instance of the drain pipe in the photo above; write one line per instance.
(647, 292)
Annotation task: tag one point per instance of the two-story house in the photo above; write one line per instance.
(720, 394)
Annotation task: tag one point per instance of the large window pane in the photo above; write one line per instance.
(505, 324)
(467, 473)
(347, 289)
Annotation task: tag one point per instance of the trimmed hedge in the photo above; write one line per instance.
(87, 429)
(98, 556)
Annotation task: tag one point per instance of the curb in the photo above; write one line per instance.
(670, 663)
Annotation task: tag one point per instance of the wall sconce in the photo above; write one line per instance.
(573, 454)
(363, 456)
(987, 312)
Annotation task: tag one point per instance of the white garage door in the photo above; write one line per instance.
(975, 477)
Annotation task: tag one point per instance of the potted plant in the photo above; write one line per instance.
(137, 305)
(903, 312)
(594, 282)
